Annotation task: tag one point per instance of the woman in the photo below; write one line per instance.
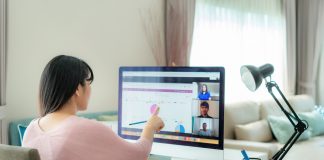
(60, 135)
(204, 94)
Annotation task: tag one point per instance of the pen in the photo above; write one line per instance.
(137, 122)
(246, 157)
(140, 122)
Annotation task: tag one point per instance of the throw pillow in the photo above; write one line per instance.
(21, 130)
(283, 130)
(315, 122)
(255, 131)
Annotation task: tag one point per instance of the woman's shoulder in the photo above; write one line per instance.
(86, 124)
(88, 130)
(30, 132)
(32, 124)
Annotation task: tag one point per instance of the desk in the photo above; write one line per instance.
(229, 154)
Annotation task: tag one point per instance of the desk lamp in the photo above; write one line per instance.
(252, 78)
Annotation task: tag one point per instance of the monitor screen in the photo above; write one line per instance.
(191, 101)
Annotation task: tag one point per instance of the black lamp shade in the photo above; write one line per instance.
(252, 76)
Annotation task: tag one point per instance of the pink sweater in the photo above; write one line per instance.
(82, 139)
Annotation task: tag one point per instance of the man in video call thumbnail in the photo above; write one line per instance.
(204, 131)
(204, 108)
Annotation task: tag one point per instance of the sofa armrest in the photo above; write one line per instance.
(14, 152)
(269, 148)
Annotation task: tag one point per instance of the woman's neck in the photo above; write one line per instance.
(68, 109)
(51, 120)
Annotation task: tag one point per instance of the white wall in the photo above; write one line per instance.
(105, 33)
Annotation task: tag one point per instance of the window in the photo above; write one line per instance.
(233, 33)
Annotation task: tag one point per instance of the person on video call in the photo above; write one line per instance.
(204, 131)
(204, 94)
(204, 108)
(58, 134)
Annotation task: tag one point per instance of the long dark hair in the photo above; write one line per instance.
(59, 81)
(203, 87)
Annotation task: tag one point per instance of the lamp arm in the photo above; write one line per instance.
(272, 84)
(299, 127)
(284, 150)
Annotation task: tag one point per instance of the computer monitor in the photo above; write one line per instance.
(191, 101)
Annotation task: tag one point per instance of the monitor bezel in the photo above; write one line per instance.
(221, 70)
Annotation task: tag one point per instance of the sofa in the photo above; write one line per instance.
(247, 127)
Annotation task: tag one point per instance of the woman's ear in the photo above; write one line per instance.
(77, 92)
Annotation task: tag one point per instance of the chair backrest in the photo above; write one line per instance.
(18, 153)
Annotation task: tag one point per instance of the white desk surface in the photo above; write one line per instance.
(234, 154)
(229, 154)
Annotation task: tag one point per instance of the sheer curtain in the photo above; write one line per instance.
(179, 28)
(289, 7)
(232, 33)
(153, 21)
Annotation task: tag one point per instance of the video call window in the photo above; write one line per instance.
(205, 110)
(206, 127)
(208, 91)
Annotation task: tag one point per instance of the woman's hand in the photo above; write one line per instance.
(153, 125)
(155, 121)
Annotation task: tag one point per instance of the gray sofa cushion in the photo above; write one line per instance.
(251, 131)
(18, 153)
(300, 103)
(239, 113)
